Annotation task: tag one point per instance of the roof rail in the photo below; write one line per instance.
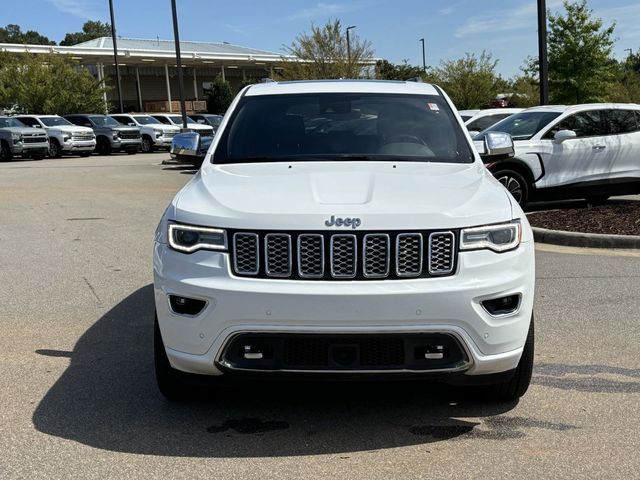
(267, 80)
(415, 79)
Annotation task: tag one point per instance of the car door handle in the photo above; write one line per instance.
(599, 147)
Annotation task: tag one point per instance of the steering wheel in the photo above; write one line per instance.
(405, 138)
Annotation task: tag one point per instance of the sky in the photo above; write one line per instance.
(506, 28)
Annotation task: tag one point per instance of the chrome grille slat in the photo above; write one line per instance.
(246, 258)
(277, 254)
(441, 253)
(409, 256)
(311, 255)
(376, 252)
(344, 255)
(335, 255)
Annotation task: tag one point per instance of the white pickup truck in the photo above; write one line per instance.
(345, 229)
(154, 134)
(64, 136)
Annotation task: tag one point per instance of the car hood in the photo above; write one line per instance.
(126, 129)
(303, 195)
(25, 130)
(164, 128)
(71, 129)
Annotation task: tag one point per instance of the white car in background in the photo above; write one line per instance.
(479, 120)
(64, 136)
(176, 120)
(154, 133)
(587, 151)
(349, 229)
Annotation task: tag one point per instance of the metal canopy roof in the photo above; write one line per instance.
(148, 51)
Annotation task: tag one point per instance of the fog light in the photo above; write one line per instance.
(185, 305)
(502, 305)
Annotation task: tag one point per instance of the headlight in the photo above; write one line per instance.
(158, 133)
(66, 138)
(116, 136)
(16, 137)
(498, 238)
(186, 238)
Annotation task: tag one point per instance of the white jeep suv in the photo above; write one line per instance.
(583, 151)
(345, 228)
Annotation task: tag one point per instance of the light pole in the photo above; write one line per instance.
(115, 55)
(349, 50)
(542, 52)
(424, 58)
(630, 50)
(176, 37)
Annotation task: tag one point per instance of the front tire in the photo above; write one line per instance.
(515, 184)
(147, 144)
(517, 386)
(103, 147)
(54, 149)
(169, 380)
(5, 152)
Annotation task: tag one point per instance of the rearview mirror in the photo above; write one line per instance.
(563, 135)
(495, 145)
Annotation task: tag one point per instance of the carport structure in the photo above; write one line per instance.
(148, 71)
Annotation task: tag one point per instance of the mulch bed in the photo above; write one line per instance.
(619, 218)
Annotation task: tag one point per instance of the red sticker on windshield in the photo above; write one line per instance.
(433, 106)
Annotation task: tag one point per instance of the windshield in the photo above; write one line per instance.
(343, 126)
(177, 119)
(8, 122)
(146, 120)
(55, 121)
(524, 125)
(104, 121)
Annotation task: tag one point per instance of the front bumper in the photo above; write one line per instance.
(40, 148)
(78, 146)
(448, 305)
(163, 141)
(127, 144)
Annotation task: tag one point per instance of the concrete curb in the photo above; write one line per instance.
(591, 240)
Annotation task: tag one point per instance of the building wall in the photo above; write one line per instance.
(153, 84)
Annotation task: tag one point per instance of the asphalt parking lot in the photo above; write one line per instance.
(78, 397)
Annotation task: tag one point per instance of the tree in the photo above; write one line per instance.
(220, 96)
(14, 34)
(323, 54)
(386, 70)
(90, 30)
(471, 82)
(580, 70)
(49, 84)
(525, 91)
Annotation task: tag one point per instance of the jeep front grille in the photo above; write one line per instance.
(343, 256)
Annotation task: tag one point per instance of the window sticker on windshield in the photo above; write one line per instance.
(433, 106)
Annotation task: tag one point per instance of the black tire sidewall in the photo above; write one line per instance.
(5, 152)
(148, 140)
(524, 185)
(55, 151)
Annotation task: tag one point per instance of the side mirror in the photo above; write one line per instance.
(495, 145)
(185, 144)
(131, 124)
(563, 135)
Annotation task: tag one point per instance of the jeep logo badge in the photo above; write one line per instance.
(343, 222)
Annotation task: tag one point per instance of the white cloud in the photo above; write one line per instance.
(521, 17)
(321, 10)
(446, 11)
(78, 8)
